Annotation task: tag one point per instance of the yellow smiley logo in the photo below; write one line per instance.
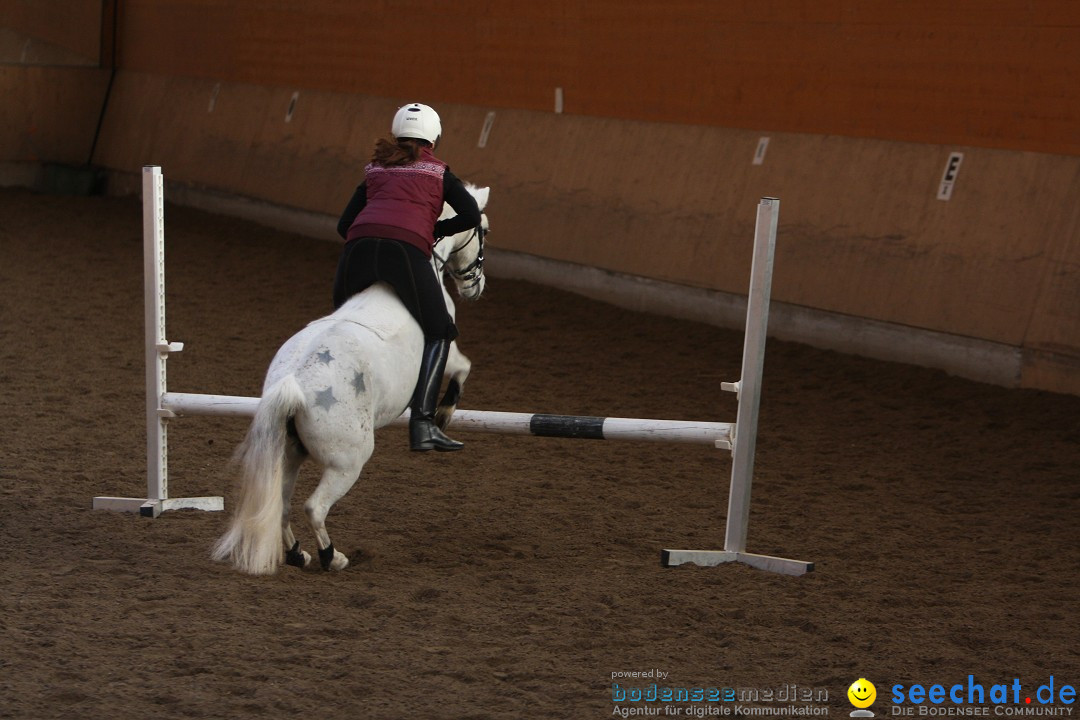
(862, 693)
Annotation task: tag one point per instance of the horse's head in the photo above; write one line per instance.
(462, 255)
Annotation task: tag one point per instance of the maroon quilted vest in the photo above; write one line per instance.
(403, 202)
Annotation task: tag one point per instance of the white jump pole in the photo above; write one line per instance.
(158, 348)
(503, 423)
(748, 390)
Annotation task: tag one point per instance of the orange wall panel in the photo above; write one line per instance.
(49, 113)
(990, 74)
(74, 25)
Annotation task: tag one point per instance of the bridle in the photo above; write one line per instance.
(470, 276)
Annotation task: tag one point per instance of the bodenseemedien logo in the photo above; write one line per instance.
(652, 693)
(862, 694)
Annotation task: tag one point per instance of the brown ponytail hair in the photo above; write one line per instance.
(392, 153)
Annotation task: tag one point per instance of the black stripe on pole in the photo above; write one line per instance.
(567, 426)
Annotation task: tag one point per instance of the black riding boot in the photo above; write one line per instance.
(424, 434)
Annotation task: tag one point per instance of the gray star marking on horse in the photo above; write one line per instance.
(325, 399)
(358, 383)
(325, 357)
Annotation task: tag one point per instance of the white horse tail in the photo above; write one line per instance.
(254, 541)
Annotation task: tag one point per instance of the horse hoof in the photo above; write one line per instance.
(340, 562)
(443, 414)
(331, 559)
(297, 557)
(300, 559)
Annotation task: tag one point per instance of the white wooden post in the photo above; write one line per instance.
(157, 348)
(156, 352)
(753, 364)
(748, 390)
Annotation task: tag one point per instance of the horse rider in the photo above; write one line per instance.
(390, 226)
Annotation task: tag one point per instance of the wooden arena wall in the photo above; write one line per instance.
(992, 73)
(52, 80)
(49, 113)
(649, 168)
(51, 32)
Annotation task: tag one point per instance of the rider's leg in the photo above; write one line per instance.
(423, 295)
(357, 270)
(424, 434)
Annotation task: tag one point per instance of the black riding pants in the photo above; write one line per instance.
(366, 261)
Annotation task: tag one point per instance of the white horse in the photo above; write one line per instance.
(327, 390)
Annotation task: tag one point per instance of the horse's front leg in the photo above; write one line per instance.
(457, 369)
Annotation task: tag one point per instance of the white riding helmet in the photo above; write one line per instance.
(417, 121)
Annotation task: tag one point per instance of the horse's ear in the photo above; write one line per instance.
(482, 197)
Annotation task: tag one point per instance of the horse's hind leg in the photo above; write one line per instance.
(337, 478)
(332, 487)
(294, 458)
(457, 369)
